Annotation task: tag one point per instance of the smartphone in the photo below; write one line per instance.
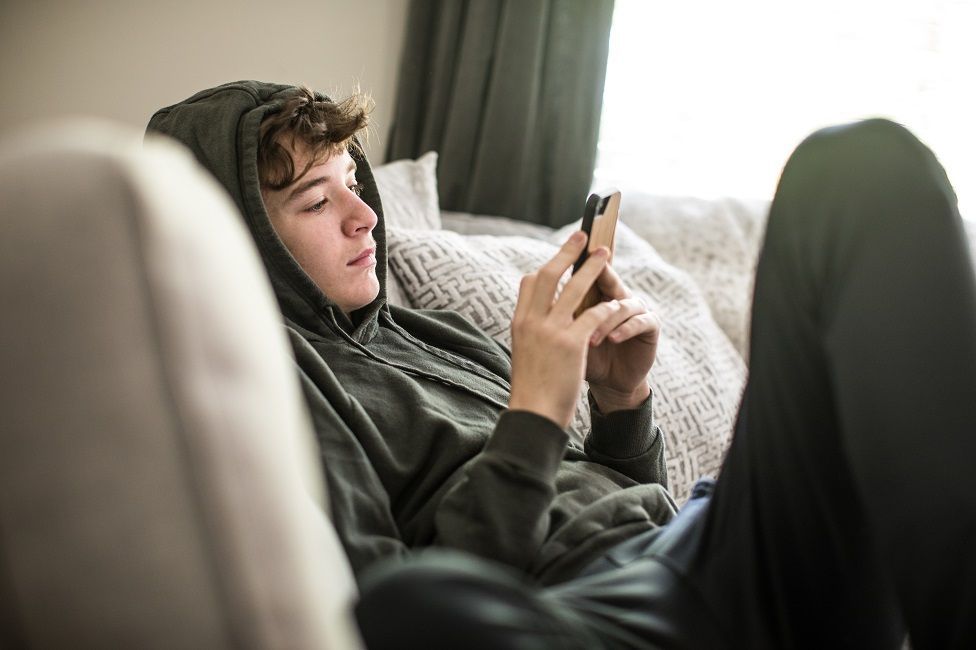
(600, 224)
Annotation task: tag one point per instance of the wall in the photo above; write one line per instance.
(123, 59)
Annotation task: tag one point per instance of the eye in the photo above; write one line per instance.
(357, 188)
(317, 207)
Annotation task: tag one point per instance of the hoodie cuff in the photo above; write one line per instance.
(530, 441)
(622, 434)
(629, 442)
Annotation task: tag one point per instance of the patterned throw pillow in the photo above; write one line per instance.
(697, 378)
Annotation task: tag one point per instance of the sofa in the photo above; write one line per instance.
(159, 485)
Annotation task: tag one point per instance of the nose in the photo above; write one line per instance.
(360, 218)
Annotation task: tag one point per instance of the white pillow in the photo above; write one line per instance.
(698, 376)
(408, 189)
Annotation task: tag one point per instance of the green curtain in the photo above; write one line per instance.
(509, 93)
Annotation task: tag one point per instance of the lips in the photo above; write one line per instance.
(366, 258)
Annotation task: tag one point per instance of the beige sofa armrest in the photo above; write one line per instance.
(157, 486)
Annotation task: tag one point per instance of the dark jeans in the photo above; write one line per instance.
(846, 508)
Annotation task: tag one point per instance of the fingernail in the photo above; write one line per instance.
(577, 237)
(601, 252)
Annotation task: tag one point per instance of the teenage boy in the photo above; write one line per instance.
(819, 531)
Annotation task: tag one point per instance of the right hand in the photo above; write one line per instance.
(549, 347)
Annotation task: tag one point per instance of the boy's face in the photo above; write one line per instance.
(328, 229)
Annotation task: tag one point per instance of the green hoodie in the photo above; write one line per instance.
(410, 406)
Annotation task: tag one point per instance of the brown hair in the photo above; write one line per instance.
(323, 128)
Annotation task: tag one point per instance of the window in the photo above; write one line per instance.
(708, 98)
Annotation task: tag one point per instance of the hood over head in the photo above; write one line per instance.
(222, 128)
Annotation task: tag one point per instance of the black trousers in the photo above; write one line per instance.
(845, 513)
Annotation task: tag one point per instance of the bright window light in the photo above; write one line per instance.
(708, 98)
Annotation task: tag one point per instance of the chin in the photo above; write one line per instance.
(366, 298)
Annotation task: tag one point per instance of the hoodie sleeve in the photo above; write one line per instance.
(629, 442)
(499, 509)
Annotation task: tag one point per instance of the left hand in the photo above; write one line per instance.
(622, 349)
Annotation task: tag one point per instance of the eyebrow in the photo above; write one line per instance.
(309, 184)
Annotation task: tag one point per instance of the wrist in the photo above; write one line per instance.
(609, 400)
(541, 408)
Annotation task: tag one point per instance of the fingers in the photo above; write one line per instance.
(590, 320)
(574, 291)
(526, 290)
(618, 321)
(544, 281)
(629, 308)
(645, 324)
(537, 290)
(610, 285)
